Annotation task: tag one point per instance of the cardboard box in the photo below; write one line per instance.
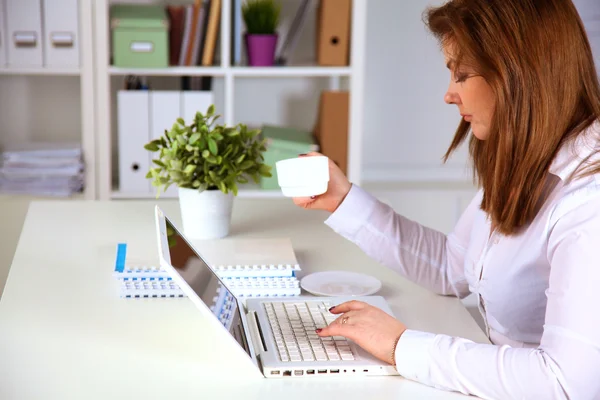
(140, 36)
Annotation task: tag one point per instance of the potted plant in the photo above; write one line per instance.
(207, 161)
(262, 19)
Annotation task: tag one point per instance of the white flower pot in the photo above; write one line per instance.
(206, 214)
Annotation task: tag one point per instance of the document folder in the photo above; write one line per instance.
(333, 32)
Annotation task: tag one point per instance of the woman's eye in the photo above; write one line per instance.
(461, 78)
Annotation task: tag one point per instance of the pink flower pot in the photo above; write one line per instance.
(261, 49)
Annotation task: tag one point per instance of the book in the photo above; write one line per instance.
(185, 39)
(236, 32)
(200, 9)
(212, 32)
(177, 25)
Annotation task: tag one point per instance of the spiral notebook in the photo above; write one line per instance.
(250, 267)
(233, 257)
(241, 287)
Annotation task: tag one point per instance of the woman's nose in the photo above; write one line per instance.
(451, 98)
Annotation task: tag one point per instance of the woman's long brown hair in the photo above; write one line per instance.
(536, 57)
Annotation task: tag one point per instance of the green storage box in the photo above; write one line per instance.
(283, 143)
(140, 36)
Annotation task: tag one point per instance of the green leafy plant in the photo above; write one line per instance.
(207, 156)
(261, 16)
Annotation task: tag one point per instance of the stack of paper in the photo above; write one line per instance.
(45, 169)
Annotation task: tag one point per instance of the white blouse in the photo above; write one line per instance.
(539, 291)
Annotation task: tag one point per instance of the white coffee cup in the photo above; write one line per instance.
(303, 176)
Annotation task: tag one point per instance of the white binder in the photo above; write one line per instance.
(133, 132)
(24, 27)
(61, 33)
(165, 108)
(3, 36)
(193, 101)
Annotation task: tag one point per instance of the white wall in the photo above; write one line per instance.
(408, 125)
(39, 108)
(590, 15)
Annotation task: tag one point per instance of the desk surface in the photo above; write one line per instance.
(65, 333)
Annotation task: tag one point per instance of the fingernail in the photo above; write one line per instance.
(313, 197)
(331, 309)
(318, 330)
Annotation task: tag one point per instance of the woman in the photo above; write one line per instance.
(528, 245)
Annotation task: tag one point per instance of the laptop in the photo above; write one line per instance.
(276, 335)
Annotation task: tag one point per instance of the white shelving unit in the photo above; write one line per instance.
(85, 73)
(354, 74)
(40, 71)
(263, 72)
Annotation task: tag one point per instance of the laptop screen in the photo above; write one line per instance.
(206, 284)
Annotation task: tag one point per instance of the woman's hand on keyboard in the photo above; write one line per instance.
(337, 189)
(370, 327)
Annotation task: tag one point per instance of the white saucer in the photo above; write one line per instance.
(340, 283)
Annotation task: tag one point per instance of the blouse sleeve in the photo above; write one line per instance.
(423, 255)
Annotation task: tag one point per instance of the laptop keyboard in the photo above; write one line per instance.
(293, 325)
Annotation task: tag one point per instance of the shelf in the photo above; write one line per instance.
(242, 193)
(4, 196)
(39, 71)
(291, 71)
(170, 71)
(117, 194)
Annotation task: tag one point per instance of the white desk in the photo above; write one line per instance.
(65, 333)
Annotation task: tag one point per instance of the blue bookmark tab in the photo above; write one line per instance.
(121, 252)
